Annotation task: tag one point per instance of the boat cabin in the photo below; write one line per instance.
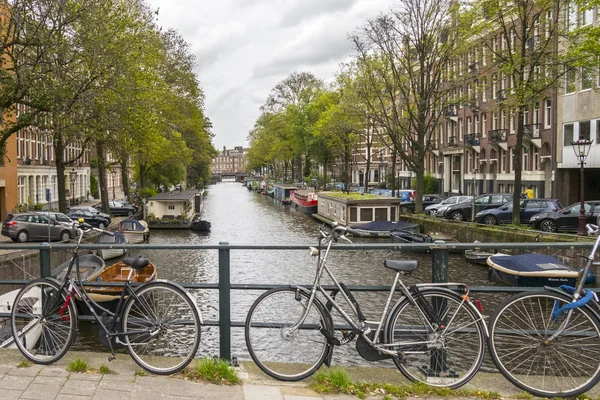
(354, 208)
(175, 209)
(282, 193)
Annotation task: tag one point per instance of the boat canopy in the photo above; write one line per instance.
(386, 226)
(131, 224)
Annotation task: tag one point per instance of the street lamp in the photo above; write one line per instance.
(582, 150)
(73, 175)
(361, 179)
(112, 173)
(474, 195)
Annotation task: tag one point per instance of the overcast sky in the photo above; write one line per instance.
(245, 47)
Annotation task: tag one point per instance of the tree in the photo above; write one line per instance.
(404, 54)
(534, 45)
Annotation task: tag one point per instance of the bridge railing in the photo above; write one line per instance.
(439, 251)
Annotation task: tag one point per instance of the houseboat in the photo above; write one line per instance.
(282, 193)
(305, 200)
(354, 208)
(175, 210)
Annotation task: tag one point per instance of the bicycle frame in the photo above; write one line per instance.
(364, 328)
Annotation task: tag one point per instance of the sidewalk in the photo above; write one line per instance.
(51, 382)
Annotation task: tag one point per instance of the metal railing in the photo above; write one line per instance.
(439, 251)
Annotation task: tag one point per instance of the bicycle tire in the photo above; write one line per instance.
(518, 344)
(43, 324)
(281, 355)
(161, 327)
(452, 360)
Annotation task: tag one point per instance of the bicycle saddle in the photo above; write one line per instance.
(135, 262)
(401, 265)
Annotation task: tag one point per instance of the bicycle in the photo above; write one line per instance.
(433, 334)
(547, 342)
(157, 321)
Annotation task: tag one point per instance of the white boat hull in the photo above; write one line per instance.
(31, 332)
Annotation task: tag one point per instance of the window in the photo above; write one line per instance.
(548, 26)
(484, 125)
(568, 134)
(584, 130)
(597, 131)
(548, 114)
(586, 16)
(586, 79)
(571, 16)
(366, 214)
(171, 207)
(484, 90)
(570, 81)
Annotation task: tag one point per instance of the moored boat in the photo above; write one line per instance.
(135, 231)
(415, 237)
(89, 265)
(305, 199)
(106, 239)
(200, 225)
(477, 256)
(32, 331)
(532, 270)
(282, 193)
(381, 229)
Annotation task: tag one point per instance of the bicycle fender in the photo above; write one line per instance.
(424, 290)
(569, 299)
(178, 286)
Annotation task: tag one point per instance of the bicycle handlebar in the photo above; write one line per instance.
(83, 227)
(337, 232)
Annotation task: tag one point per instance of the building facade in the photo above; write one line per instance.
(231, 161)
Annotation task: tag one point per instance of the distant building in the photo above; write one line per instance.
(230, 161)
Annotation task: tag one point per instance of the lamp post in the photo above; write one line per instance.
(582, 149)
(73, 175)
(474, 195)
(112, 173)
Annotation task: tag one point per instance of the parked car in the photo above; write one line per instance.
(439, 209)
(119, 208)
(24, 227)
(529, 207)
(462, 211)
(89, 217)
(93, 211)
(58, 216)
(428, 199)
(567, 219)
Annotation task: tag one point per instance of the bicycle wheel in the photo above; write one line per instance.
(43, 321)
(161, 328)
(564, 366)
(281, 353)
(448, 355)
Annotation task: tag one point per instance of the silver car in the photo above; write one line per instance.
(30, 226)
(439, 209)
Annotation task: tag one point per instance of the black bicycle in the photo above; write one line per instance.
(158, 321)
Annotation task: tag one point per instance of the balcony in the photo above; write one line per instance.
(501, 95)
(531, 133)
(472, 139)
(497, 135)
(451, 113)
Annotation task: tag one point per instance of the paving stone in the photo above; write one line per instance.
(85, 377)
(262, 392)
(33, 370)
(154, 380)
(104, 394)
(4, 369)
(15, 382)
(54, 372)
(41, 392)
(7, 394)
(116, 382)
(294, 397)
(49, 380)
(80, 388)
(62, 396)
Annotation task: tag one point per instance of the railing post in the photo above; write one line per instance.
(45, 261)
(224, 303)
(439, 264)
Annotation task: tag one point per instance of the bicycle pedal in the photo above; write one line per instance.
(112, 357)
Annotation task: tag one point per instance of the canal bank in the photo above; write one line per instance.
(126, 382)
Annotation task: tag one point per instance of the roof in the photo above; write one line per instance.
(175, 195)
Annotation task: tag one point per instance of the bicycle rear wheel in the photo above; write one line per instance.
(565, 366)
(43, 321)
(161, 328)
(281, 353)
(445, 356)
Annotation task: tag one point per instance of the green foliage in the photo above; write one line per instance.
(77, 365)
(94, 186)
(215, 371)
(104, 369)
(24, 364)
(146, 193)
(141, 372)
(430, 184)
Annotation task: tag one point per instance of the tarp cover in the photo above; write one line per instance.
(385, 226)
(531, 264)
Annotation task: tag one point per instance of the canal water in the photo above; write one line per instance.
(239, 217)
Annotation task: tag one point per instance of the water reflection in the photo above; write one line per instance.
(239, 216)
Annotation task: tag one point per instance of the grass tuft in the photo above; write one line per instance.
(24, 364)
(77, 366)
(215, 371)
(141, 372)
(104, 369)
(337, 380)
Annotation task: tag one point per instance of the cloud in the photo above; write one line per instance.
(308, 9)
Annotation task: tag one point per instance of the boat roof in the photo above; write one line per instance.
(175, 195)
(386, 226)
(531, 265)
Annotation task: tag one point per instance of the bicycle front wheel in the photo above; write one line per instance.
(161, 328)
(283, 353)
(443, 354)
(523, 347)
(43, 321)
